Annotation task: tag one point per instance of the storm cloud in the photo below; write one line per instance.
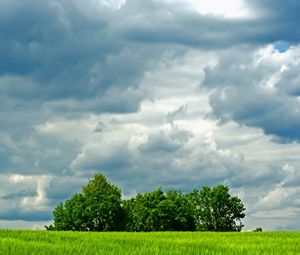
(152, 94)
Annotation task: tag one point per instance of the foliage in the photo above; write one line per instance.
(258, 230)
(97, 208)
(162, 243)
(100, 208)
(156, 211)
(214, 209)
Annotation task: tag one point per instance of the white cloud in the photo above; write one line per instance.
(172, 137)
(225, 9)
(39, 201)
(263, 95)
(152, 93)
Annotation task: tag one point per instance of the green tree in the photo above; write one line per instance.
(175, 213)
(214, 209)
(157, 211)
(141, 211)
(97, 208)
(104, 211)
(59, 218)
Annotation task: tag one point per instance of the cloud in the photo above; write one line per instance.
(69, 54)
(66, 54)
(230, 9)
(27, 199)
(262, 95)
(151, 93)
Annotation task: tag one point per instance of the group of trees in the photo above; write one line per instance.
(99, 207)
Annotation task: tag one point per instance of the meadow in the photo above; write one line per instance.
(48, 242)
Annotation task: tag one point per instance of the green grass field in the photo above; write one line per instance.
(42, 242)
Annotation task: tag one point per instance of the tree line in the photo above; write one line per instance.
(100, 207)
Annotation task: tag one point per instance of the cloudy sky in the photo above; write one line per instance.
(152, 93)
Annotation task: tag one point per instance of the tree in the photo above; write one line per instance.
(141, 211)
(214, 209)
(97, 208)
(175, 212)
(157, 211)
(103, 205)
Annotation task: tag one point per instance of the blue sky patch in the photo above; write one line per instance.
(282, 46)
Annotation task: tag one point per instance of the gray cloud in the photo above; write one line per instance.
(169, 22)
(65, 52)
(24, 198)
(85, 87)
(261, 95)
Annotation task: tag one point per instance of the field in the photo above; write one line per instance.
(42, 242)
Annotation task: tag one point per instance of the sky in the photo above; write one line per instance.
(151, 93)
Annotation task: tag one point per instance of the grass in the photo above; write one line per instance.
(62, 243)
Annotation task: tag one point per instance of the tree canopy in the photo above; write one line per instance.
(159, 211)
(214, 209)
(99, 207)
